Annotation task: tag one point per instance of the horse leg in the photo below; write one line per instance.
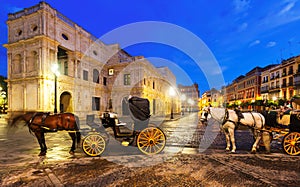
(73, 136)
(257, 135)
(227, 141)
(41, 139)
(231, 134)
(266, 137)
(78, 137)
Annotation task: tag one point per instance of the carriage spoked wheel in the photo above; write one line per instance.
(151, 140)
(291, 143)
(93, 144)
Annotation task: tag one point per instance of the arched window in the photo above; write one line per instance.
(95, 76)
(16, 64)
(32, 61)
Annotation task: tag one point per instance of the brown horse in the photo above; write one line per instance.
(39, 123)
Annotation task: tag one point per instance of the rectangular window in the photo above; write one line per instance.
(104, 81)
(85, 75)
(126, 79)
(96, 103)
(66, 68)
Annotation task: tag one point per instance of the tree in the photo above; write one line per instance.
(3, 94)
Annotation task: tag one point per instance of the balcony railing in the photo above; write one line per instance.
(274, 87)
(264, 89)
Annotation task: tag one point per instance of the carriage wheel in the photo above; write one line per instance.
(291, 143)
(151, 141)
(93, 145)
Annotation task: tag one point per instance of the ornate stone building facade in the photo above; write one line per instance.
(281, 82)
(136, 76)
(40, 37)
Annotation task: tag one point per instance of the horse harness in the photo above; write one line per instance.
(44, 116)
(226, 119)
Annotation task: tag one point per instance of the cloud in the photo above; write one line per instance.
(241, 5)
(287, 8)
(271, 44)
(256, 42)
(243, 27)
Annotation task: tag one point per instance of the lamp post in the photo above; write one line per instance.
(172, 94)
(54, 69)
(253, 103)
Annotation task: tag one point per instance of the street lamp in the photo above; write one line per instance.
(172, 94)
(55, 71)
(253, 103)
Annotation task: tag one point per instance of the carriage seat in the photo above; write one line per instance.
(109, 119)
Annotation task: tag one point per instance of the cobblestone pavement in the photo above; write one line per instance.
(190, 166)
(177, 170)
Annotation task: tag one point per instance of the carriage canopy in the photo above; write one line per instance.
(139, 108)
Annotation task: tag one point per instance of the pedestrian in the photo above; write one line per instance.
(206, 111)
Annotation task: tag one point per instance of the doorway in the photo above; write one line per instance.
(65, 102)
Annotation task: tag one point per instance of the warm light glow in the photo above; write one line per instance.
(183, 97)
(54, 69)
(172, 92)
(190, 101)
(274, 98)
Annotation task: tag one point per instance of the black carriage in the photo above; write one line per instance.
(285, 125)
(148, 138)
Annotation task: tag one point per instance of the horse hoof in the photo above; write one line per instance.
(71, 152)
(42, 154)
(253, 151)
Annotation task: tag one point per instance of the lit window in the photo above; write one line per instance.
(111, 72)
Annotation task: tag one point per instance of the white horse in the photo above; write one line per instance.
(230, 121)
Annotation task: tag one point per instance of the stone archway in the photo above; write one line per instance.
(65, 103)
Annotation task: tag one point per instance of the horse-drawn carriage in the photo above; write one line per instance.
(148, 138)
(285, 126)
(268, 126)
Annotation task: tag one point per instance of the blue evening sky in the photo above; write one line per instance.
(241, 34)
